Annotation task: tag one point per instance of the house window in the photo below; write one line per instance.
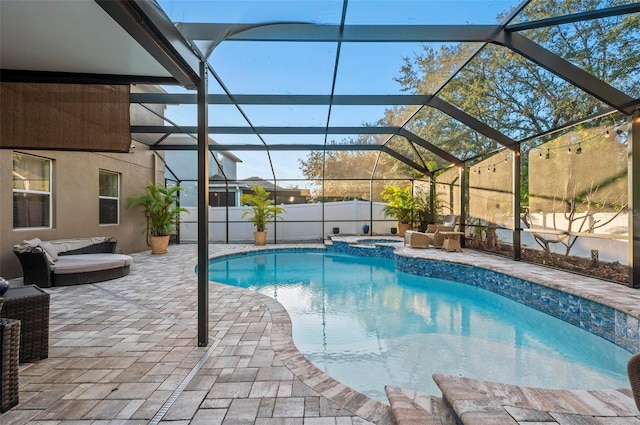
(222, 199)
(109, 197)
(31, 192)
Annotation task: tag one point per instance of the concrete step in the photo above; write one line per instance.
(412, 408)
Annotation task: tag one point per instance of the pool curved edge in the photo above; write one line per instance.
(601, 308)
(319, 381)
(552, 285)
(283, 345)
(608, 310)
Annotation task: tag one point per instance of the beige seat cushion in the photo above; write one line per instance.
(83, 263)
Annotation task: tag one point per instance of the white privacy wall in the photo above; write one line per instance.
(301, 222)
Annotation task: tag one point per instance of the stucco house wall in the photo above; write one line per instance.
(75, 193)
(75, 199)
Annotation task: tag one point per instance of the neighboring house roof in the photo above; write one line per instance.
(270, 187)
(264, 183)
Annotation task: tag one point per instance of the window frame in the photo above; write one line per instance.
(48, 193)
(109, 198)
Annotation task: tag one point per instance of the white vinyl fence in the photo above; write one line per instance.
(301, 222)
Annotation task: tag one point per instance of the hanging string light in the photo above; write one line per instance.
(619, 130)
(492, 166)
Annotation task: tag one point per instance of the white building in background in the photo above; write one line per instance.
(184, 164)
(225, 190)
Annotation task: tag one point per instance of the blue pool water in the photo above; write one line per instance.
(367, 325)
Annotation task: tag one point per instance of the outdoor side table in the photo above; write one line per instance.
(452, 241)
(30, 305)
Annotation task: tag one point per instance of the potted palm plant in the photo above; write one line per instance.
(262, 212)
(401, 205)
(160, 206)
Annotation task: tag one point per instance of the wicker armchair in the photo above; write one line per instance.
(433, 232)
(416, 239)
(30, 306)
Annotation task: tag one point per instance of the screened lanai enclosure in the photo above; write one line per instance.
(520, 117)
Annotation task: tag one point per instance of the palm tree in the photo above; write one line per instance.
(262, 211)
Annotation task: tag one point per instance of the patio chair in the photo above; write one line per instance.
(416, 239)
(633, 371)
(433, 232)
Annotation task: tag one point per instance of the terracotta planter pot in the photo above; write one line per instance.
(260, 238)
(403, 227)
(159, 244)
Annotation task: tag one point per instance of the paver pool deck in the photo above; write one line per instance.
(125, 351)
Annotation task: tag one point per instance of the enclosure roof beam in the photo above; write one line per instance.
(428, 100)
(159, 129)
(473, 123)
(308, 32)
(406, 160)
(303, 147)
(576, 17)
(276, 147)
(519, 44)
(149, 26)
(430, 147)
(282, 99)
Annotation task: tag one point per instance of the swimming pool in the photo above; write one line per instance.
(373, 241)
(367, 325)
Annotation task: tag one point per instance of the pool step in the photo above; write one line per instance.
(484, 402)
(413, 408)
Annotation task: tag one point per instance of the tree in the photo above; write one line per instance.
(346, 173)
(505, 90)
(579, 211)
(513, 94)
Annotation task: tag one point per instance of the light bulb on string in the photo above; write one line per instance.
(548, 155)
(569, 150)
(607, 135)
(579, 149)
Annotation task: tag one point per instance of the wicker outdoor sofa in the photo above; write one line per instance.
(71, 261)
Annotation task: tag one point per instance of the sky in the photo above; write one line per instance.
(307, 68)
